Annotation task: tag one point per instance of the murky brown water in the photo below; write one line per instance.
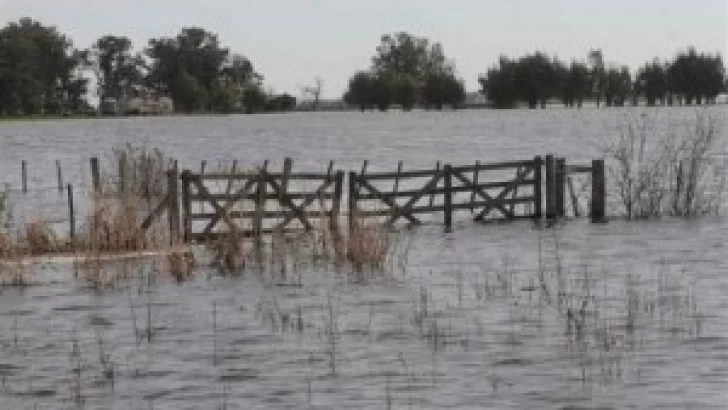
(479, 318)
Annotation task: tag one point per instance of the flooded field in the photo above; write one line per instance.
(620, 315)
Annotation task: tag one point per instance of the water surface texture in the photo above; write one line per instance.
(501, 316)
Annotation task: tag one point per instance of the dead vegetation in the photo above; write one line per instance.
(670, 172)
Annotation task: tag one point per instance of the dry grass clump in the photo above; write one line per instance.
(229, 251)
(667, 173)
(367, 244)
(40, 238)
(143, 171)
(180, 263)
(115, 226)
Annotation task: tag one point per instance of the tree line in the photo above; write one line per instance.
(535, 79)
(42, 72)
(407, 71)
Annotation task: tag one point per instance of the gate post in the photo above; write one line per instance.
(599, 192)
(353, 199)
(559, 187)
(186, 206)
(95, 175)
(537, 195)
(336, 201)
(173, 204)
(447, 170)
(550, 183)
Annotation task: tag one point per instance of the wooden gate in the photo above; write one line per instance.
(475, 188)
(258, 202)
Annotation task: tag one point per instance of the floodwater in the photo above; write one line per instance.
(619, 315)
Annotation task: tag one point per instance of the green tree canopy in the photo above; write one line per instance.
(195, 64)
(39, 70)
(117, 69)
(406, 70)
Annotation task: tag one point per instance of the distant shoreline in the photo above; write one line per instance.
(550, 106)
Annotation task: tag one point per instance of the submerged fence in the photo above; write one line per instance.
(201, 206)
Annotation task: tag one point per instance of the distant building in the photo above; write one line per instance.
(109, 106)
(475, 99)
(722, 98)
(146, 103)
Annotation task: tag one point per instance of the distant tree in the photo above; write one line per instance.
(189, 64)
(576, 86)
(443, 89)
(537, 79)
(598, 75)
(361, 90)
(618, 86)
(254, 99)
(39, 69)
(499, 83)
(405, 91)
(696, 77)
(652, 82)
(402, 54)
(116, 68)
(382, 95)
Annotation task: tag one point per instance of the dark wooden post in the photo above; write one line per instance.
(395, 188)
(173, 205)
(514, 195)
(336, 201)
(260, 199)
(59, 175)
(287, 168)
(122, 173)
(432, 194)
(559, 187)
(550, 184)
(95, 175)
(353, 199)
(71, 215)
(186, 207)
(24, 175)
(476, 171)
(447, 175)
(599, 192)
(537, 195)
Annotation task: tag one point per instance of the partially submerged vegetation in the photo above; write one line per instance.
(667, 172)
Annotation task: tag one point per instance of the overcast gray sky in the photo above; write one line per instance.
(293, 41)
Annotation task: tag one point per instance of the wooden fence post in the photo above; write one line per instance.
(476, 171)
(122, 173)
(599, 192)
(95, 175)
(559, 187)
(186, 206)
(550, 184)
(336, 201)
(432, 194)
(448, 197)
(59, 175)
(287, 168)
(24, 176)
(71, 215)
(537, 194)
(260, 205)
(353, 199)
(173, 205)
